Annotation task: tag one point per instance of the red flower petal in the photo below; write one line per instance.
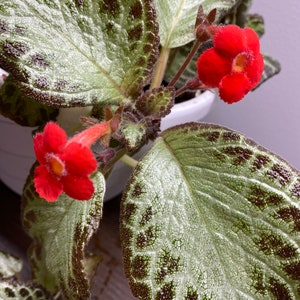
(90, 135)
(80, 188)
(255, 70)
(79, 160)
(230, 41)
(234, 87)
(212, 68)
(55, 138)
(38, 146)
(47, 186)
(252, 40)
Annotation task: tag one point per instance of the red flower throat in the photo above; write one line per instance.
(66, 164)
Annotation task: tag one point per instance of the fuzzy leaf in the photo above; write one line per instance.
(60, 231)
(157, 102)
(239, 14)
(177, 18)
(9, 265)
(134, 134)
(11, 289)
(256, 22)
(22, 109)
(70, 52)
(272, 67)
(209, 214)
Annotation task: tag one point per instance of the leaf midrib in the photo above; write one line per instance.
(174, 23)
(189, 188)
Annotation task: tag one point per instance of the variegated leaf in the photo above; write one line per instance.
(209, 214)
(60, 231)
(177, 18)
(14, 290)
(156, 103)
(272, 67)
(256, 22)
(9, 265)
(70, 52)
(134, 134)
(22, 109)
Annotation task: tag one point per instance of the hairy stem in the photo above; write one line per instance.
(186, 62)
(108, 166)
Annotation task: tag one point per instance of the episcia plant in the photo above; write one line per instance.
(207, 213)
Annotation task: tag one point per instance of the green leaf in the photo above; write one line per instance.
(9, 265)
(177, 18)
(60, 231)
(272, 67)
(209, 214)
(239, 14)
(69, 52)
(157, 102)
(241, 17)
(256, 22)
(11, 289)
(22, 109)
(134, 134)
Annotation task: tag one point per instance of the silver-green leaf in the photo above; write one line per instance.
(209, 214)
(60, 232)
(9, 265)
(177, 18)
(14, 290)
(272, 67)
(70, 52)
(22, 109)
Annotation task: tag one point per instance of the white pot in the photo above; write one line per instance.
(17, 156)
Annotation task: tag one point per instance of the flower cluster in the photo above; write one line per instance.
(234, 64)
(66, 164)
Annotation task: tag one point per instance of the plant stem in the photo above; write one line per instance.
(186, 62)
(191, 85)
(128, 160)
(181, 91)
(160, 68)
(108, 166)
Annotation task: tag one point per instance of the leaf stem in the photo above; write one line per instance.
(108, 165)
(128, 160)
(181, 91)
(191, 85)
(186, 62)
(160, 68)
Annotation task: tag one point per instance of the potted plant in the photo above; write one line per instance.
(207, 213)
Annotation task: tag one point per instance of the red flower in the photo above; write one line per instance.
(66, 164)
(234, 64)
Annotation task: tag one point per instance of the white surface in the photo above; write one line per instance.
(193, 110)
(271, 114)
(16, 154)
